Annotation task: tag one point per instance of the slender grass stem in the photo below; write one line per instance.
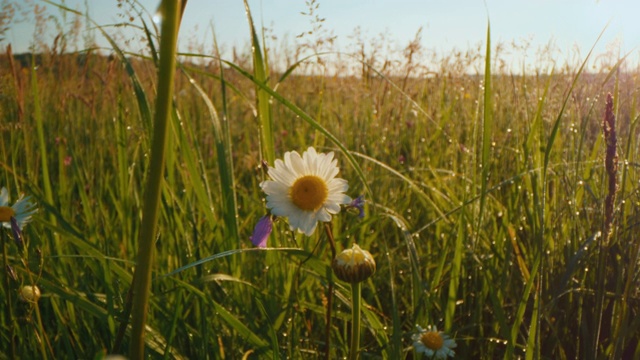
(9, 325)
(356, 289)
(142, 276)
(43, 340)
(327, 331)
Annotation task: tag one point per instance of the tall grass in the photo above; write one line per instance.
(485, 202)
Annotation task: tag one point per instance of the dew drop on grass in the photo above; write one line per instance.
(157, 17)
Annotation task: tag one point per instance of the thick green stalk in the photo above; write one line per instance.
(142, 276)
(356, 289)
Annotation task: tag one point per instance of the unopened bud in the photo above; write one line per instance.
(354, 265)
(30, 293)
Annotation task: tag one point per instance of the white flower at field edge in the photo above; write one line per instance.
(305, 189)
(433, 343)
(22, 210)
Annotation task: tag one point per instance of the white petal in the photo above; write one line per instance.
(309, 225)
(4, 197)
(311, 151)
(337, 185)
(298, 165)
(275, 188)
(310, 158)
(278, 165)
(323, 215)
(332, 208)
(282, 175)
(303, 221)
(338, 198)
(282, 209)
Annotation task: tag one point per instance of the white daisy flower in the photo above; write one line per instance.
(22, 210)
(433, 343)
(305, 189)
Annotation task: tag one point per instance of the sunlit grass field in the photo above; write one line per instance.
(489, 208)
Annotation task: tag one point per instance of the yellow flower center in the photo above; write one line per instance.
(432, 340)
(6, 213)
(309, 192)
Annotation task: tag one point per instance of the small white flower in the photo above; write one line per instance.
(305, 189)
(22, 210)
(433, 343)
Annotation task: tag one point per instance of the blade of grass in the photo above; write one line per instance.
(456, 273)
(487, 130)
(261, 76)
(42, 144)
(142, 276)
(225, 169)
(228, 182)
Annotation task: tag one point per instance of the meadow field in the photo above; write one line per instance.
(501, 206)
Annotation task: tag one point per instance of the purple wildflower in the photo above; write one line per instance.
(357, 203)
(262, 231)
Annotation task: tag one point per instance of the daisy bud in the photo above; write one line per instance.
(354, 265)
(114, 357)
(30, 293)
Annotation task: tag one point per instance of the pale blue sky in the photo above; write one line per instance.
(447, 24)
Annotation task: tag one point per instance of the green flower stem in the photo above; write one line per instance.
(355, 320)
(170, 11)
